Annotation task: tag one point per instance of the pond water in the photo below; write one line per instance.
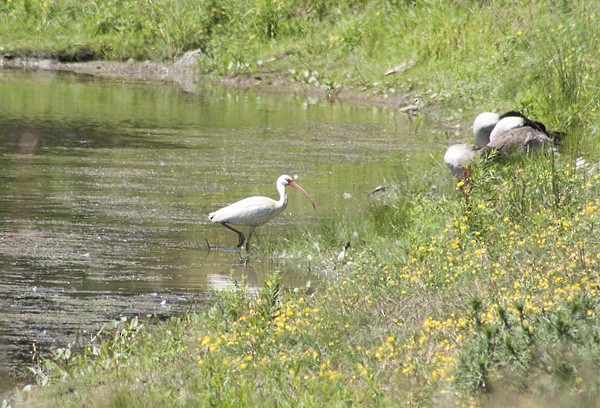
(106, 185)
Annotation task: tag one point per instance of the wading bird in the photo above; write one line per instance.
(255, 211)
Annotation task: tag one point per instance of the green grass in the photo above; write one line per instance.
(438, 301)
(434, 304)
(537, 57)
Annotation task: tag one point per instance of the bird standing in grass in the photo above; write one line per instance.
(255, 211)
(502, 134)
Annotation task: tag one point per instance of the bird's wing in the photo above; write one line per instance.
(249, 211)
(523, 136)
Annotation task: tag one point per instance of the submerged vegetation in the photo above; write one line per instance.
(437, 301)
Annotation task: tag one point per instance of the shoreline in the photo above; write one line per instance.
(184, 73)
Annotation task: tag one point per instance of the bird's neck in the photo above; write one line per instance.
(482, 135)
(282, 197)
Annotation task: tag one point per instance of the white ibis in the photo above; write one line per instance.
(255, 211)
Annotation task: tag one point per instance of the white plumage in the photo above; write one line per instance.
(506, 123)
(459, 156)
(255, 211)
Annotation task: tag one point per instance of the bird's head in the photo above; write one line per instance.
(286, 180)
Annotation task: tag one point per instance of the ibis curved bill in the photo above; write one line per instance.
(255, 211)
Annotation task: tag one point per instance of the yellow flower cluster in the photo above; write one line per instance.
(409, 320)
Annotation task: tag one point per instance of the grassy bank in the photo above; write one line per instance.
(539, 57)
(435, 303)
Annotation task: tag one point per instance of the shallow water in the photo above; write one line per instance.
(106, 186)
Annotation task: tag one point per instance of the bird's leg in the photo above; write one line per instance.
(249, 236)
(242, 239)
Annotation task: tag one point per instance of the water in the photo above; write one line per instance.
(105, 187)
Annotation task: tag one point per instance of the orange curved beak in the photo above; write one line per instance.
(292, 183)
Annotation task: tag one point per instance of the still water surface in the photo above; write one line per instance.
(105, 187)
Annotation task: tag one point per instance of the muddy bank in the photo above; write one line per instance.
(182, 70)
(184, 73)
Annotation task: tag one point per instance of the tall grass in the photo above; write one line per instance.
(434, 303)
(537, 57)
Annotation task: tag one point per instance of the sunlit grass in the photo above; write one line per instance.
(497, 300)
(438, 300)
(537, 57)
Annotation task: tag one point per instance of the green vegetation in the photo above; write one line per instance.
(432, 305)
(536, 57)
(437, 302)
